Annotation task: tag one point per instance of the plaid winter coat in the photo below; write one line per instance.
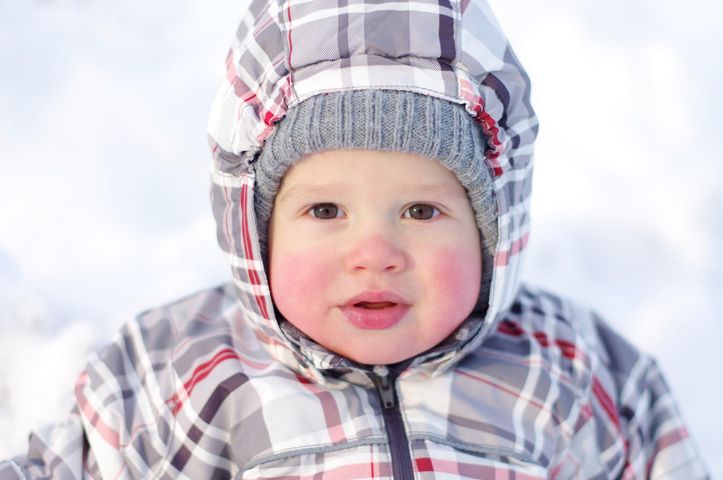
(216, 386)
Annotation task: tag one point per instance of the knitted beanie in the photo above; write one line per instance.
(386, 120)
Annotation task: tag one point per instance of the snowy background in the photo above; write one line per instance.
(104, 179)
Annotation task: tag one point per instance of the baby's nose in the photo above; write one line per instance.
(376, 253)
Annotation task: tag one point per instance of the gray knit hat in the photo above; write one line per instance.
(385, 120)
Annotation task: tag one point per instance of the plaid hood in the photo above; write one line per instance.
(286, 51)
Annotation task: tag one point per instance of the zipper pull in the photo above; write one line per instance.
(384, 386)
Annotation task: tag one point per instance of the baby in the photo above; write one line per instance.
(371, 187)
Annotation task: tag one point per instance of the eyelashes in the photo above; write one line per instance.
(421, 211)
(330, 211)
(325, 211)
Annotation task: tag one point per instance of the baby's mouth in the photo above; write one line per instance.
(375, 310)
(374, 305)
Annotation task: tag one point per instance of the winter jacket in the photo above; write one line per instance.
(216, 385)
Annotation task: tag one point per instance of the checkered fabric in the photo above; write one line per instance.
(188, 391)
(212, 386)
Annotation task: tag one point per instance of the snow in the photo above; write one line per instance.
(104, 180)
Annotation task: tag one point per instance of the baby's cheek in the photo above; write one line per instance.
(458, 274)
(298, 280)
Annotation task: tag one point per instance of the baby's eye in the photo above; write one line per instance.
(325, 211)
(421, 211)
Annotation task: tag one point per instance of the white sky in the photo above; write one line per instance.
(104, 178)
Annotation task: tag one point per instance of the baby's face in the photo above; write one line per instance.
(374, 255)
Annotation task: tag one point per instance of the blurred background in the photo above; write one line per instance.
(104, 173)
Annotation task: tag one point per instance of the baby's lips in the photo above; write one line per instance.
(376, 299)
(374, 318)
(374, 305)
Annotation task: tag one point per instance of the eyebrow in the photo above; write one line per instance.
(313, 190)
(438, 188)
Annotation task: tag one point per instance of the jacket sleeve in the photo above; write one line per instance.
(630, 426)
(121, 425)
(58, 451)
(657, 440)
(92, 442)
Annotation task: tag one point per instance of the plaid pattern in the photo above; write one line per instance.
(212, 386)
(188, 391)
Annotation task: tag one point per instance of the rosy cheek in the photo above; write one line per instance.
(298, 279)
(457, 275)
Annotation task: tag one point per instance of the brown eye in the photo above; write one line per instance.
(325, 211)
(421, 211)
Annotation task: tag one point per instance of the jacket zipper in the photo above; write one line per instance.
(384, 380)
